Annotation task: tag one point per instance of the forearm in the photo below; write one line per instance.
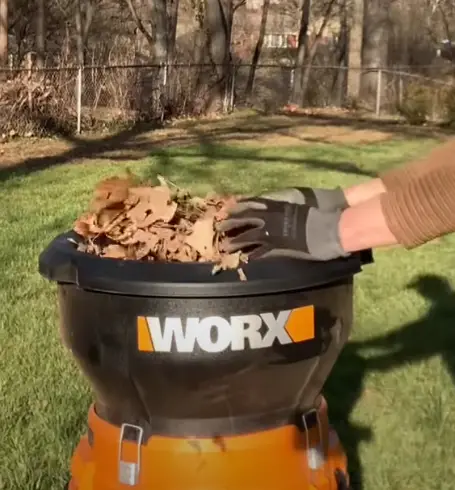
(442, 156)
(409, 216)
(364, 226)
(402, 175)
(364, 192)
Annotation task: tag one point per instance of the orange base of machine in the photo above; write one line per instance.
(278, 459)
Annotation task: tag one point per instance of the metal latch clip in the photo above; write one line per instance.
(129, 471)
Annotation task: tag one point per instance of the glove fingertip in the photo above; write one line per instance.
(223, 226)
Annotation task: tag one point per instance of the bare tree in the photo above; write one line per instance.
(258, 49)
(3, 32)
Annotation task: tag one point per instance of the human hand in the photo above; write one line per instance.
(278, 228)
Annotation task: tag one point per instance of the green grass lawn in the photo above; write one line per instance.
(392, 399)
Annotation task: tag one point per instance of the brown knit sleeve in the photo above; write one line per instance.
(402, 175)
(424, 209)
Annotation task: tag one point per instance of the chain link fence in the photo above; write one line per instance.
(94, 96)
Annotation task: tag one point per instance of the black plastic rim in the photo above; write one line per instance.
(63, 263)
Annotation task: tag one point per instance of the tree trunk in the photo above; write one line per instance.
(258, 49)
(40, 34)
(173, 9)
(296, 95)
(228, 9)
(375, 45)
(159, 29)
(217, 35)
(340, 78)
(219, 49)
(139, 24)
(355, 50)
(306, 72)
(3, 32)
(79, 36)
(83, 19)
(312, 51)
(162, 38)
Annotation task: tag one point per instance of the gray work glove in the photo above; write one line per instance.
(266, 228)
(324, 199)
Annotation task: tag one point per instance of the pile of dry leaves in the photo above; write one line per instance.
(133, 221)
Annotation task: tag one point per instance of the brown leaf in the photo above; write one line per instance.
(106, 216)
(114, 223)
(142, 251)
(151, 223)
(228, 261)
(115, 251)
(138, 236)
(82, 228)
(152, 204)
(201, 238)
(110, 192)
(86, 225)
(185, 254)
(122, 232)
(223, 212)
(165, 215)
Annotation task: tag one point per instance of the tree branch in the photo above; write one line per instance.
(238, 4)
(326, 18)
(445, 22)
(88, 20)
(138, 21)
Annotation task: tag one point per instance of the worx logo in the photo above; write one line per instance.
(217, 334)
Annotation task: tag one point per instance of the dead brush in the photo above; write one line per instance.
(32, 106)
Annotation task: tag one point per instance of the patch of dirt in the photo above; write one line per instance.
(245, 128)
(300, 135)
(19, 150)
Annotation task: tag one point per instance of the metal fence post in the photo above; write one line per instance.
(227, 86)
(434, 105)
(79, 100)
(165, 73)
(378, 93)
(232, 94)
(291, 84)
(400, 91)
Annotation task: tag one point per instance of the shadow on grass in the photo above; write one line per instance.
(141, 141)
(431, 335)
